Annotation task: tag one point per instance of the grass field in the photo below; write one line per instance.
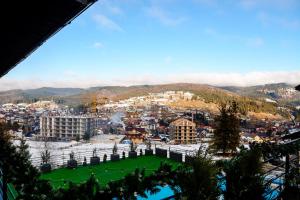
(105, 172)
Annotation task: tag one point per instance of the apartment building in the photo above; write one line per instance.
(183, 131)
(67, 127)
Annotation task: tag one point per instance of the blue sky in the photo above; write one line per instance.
(127, 42)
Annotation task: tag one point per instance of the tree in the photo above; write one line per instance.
(199, 181)
(46, 157)
(90, 190)
(227, 133)
(104, 158)
(77, 138)
(297, 115)
(15, 126)
(23, 149)
(17, 169)
(86, 136)
(243, 176)
(115, 149)
(81, 108)
(132, 185)
(148, 144)
(132, 146)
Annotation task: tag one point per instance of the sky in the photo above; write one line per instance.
(133, 42)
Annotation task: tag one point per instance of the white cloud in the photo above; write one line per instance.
(164, 17)
(218, 79)
(107, 23)
(98, 45)
(237, 79)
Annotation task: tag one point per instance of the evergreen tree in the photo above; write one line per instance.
(199, 181)
(17, 169)
(243, 175)
(23, 149)
(15, 126)
(115, 149)
(77, 138)
(227, 132)
(86, 136)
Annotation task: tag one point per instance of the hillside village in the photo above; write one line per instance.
(136, 119)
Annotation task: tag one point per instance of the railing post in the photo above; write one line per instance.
(4, 185)
(287, 170)
(298, 162)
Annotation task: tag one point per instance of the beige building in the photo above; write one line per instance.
(67, 127)
(183, 131)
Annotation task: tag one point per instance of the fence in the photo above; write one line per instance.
(60, 158)
(277, 177)
(274, 179)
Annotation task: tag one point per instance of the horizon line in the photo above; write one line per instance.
(150, 84)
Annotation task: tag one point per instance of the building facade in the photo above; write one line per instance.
(136, 135)
(67, 127)
(183, 131)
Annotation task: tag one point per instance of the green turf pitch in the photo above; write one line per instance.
(105, 172)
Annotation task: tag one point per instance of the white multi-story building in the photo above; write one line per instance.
(67, 127)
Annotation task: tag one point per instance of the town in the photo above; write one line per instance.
(150, 100)
(134, 120)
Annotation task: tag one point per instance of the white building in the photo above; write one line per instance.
(67, 127)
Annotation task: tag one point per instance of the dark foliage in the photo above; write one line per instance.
(243, 175)
(72, 163)
(86, 136)
(148, 152)
(227, 132)
(104, 158)
(199, 180)
(18, 170)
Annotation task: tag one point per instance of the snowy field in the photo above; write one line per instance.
(60, 151)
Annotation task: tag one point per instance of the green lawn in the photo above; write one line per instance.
(106, 172)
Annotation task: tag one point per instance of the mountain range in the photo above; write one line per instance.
(281, 93)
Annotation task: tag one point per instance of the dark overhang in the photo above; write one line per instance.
(27, 24)
(298, 88)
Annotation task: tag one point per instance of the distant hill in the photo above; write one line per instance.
(280, 92)
(119, 92)
(30, 95)
(251, 99)
(48, 91)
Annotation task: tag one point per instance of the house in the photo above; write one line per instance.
(136, 135)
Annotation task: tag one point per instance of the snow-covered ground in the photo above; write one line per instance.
(60, 151)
